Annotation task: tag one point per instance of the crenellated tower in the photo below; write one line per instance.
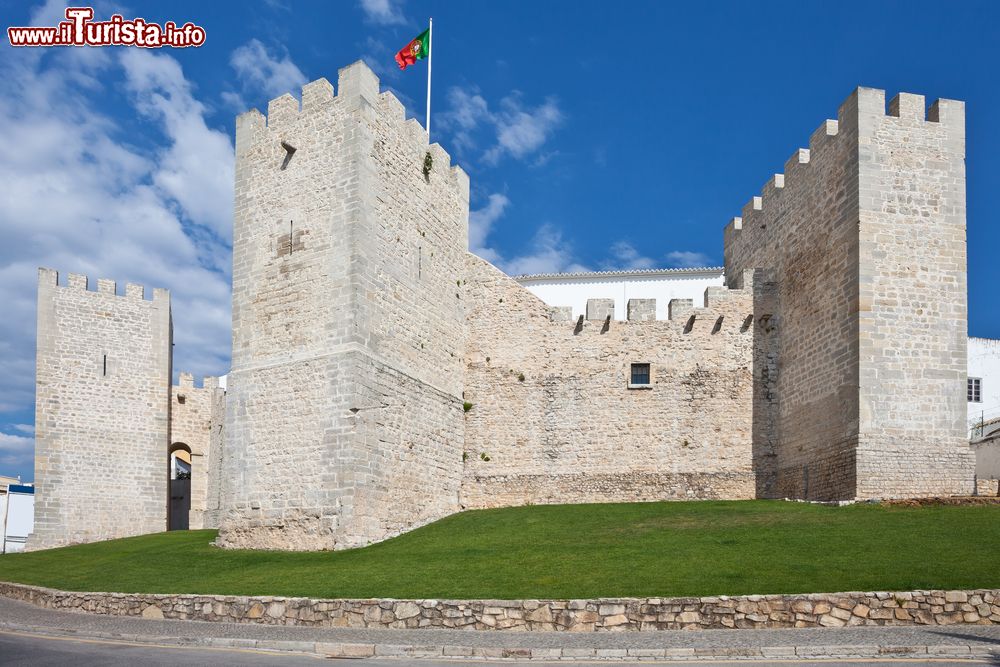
(861, 331)
(344, 420)
(102, 411)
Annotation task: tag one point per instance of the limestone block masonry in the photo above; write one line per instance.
(101, 411)
(344, 420)
(554, 417)
(195, 414)
(831, 610)
(864, 240)
(383, 377)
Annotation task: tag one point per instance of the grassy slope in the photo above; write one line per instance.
(649, 549)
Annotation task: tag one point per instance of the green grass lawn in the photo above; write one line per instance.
(645, 549)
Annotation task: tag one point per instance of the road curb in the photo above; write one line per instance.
(450, 652)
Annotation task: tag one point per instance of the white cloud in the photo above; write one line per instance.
(80, 196)
(383, 12)
(50, 13)
(481, 223)
(624, 256)
(261, 73)
(549, 253)
(466, 111)
(517, 130)
(521, 131)
(196, 170)
(17, 452)
(687, 259)
(379, 57)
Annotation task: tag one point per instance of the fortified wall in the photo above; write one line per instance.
(554, 419)
(863, 240)
(344, 419)
(383, 377)
(196, 418)
(102, 402)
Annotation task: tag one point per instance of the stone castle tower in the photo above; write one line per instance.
(102, 411)
(344, 418)
(862, 358)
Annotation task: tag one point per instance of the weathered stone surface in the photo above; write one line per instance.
(102, 380)
(405, 610)
(152, 611)
(751, 611)
(348, 261)
(384, 377)
(872, 404)
(196, 419)
(584, 433)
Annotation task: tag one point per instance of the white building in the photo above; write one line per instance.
(984, 385)
(17, 514)
(573, 289)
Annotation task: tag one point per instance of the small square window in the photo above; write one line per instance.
(640, 375)
(975, 390)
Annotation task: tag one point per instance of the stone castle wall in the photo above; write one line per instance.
(344, 421)
(553, 419)
(863, 241)
(101, 411)
(193, 412)
(832, 367)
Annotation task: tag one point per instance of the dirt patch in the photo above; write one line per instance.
(958, 500)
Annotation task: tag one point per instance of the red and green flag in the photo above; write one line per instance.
(418, 49)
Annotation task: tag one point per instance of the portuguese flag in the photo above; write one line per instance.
(418, 49)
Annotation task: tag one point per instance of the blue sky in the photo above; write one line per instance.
(597, 135)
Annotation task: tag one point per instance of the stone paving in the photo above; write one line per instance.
(965, 641)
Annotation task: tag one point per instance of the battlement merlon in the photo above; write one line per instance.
(186, 381)
(49, 279)
(856, 116)
(357, 89)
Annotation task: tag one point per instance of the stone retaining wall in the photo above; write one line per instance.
(980, 607)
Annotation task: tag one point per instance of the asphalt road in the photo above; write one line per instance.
(37, 651)
(18, 648)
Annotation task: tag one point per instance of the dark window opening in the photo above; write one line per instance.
(975, 390)
(640, 374)
(289, 152)
(104, 372)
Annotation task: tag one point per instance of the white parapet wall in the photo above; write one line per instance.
(574, 289)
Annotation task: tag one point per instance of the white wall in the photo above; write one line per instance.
(19, 509)
(662, 285)
(984, 362)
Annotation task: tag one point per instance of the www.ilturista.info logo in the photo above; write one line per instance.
(80, 30)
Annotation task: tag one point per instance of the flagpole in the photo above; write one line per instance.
(430, 57)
